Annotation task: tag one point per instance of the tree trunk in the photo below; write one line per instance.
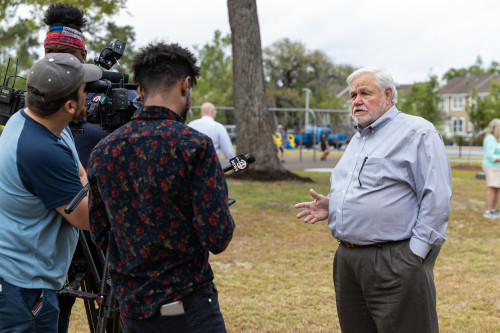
(253, 120)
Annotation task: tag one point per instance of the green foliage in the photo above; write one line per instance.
(478, 111)
(289, 68)
(21, 34)
(475, 69)
(482, 110)
(215, 84)
(423, 101)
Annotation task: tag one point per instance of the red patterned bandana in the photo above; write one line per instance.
(65, 36)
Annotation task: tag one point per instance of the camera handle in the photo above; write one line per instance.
(76, 200)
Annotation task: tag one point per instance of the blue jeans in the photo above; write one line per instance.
(27, 310)
(202, 315)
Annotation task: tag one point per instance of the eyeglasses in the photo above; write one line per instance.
(361, 169)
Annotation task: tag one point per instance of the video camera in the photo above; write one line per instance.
(110, 106)
(11, 99)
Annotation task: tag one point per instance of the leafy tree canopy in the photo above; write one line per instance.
(483, 109)
(22, 30)
(476, 68)
(215, 84)
(289, 67)
(423, 100)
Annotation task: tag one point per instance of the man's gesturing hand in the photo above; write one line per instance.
(316, 210)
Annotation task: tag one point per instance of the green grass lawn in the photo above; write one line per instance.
(276, 275)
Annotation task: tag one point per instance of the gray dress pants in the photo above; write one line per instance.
(385, 289)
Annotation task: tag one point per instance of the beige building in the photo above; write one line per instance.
(455, 99)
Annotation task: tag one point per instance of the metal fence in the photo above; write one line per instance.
(312, 112)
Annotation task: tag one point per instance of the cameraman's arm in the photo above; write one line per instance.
(212, 220)
(79, 217)
(82, 174)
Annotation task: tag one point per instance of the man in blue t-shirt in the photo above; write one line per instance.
(39, 175)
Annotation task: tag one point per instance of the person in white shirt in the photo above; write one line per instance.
(216, 131)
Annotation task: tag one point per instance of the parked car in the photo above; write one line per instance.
(231, 130)
(337, 140)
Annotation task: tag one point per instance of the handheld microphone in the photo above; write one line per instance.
(239, 163)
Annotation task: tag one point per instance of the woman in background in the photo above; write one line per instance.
(491, 167)
(323, 146)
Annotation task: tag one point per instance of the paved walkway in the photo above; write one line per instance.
(307, 163)
(293, 162)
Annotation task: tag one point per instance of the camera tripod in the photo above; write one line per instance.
(85, 282)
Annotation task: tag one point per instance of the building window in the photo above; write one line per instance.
(458, 103)
(458, 125)
(442, 104)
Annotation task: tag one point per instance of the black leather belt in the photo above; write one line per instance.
(356, 246)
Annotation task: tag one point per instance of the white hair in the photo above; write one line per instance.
(383, 79)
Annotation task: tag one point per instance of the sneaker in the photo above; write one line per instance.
(496, 212)
(490, 214)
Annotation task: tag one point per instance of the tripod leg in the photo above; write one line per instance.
(117, 322)
(90, 308)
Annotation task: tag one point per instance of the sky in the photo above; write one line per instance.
(412, 39)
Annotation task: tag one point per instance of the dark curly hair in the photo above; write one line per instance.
(162, 65)
(65, 15)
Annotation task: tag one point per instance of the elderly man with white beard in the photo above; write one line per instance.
(388, 207)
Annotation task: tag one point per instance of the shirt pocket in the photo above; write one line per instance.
(372, 173)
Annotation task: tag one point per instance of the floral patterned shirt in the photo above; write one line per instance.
(158, 197)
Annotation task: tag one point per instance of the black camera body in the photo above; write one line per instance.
(11, 99)
(108, 103)
(110, 107)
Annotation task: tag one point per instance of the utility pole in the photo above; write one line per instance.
(308, 91)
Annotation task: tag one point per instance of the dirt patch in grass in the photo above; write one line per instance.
(269, 176)
(471, 167)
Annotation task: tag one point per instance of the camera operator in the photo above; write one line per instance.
(64, 35)
(158, 203)
(39, 175)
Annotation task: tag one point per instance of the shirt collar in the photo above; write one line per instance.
(383, 120)
(156, 112)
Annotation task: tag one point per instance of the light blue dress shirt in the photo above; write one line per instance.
(217, 132)
(392, 183)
